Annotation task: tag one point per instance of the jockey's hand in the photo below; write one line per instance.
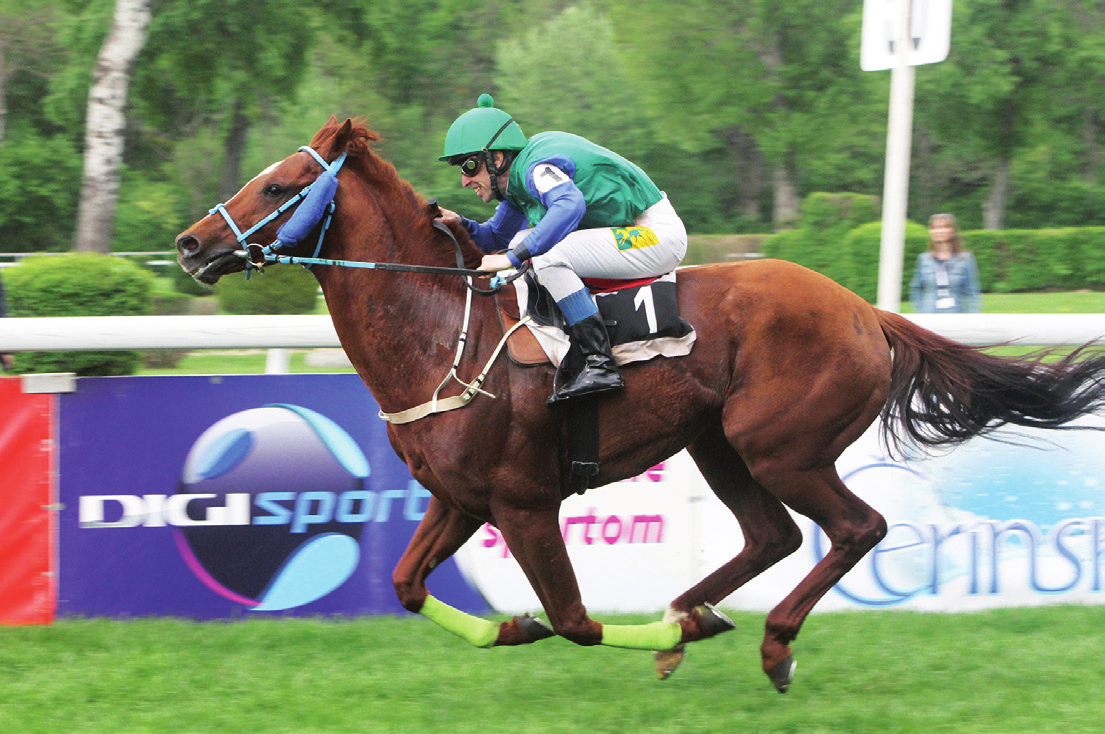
(495, 263)
(448, 216)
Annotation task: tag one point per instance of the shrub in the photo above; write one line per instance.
(281, 289)
(1032, 259)
(78, 284)
(816, 241)
(861, 248)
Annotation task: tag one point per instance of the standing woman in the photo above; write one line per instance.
(946, 277)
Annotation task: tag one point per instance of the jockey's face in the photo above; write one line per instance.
(480, 181)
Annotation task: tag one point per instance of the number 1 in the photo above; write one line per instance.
(644, 296)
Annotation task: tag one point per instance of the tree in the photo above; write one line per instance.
(218, 67)
(999, 80)
(105, 124)
(584, 87)
(766, 81)
(25, 40)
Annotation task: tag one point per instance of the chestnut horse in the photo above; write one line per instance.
(788, 369)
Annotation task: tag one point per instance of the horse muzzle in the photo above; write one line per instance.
(203, 264)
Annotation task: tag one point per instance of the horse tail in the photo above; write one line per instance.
(943, 392)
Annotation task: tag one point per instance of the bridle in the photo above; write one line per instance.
(316, 204)
(317, 200)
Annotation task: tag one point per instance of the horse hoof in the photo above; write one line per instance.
(536, 629)
(782, 674)
(668, 660)
(712, 621)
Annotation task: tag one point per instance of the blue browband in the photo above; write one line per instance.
(315, 202)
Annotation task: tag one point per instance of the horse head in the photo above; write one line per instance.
(287, 201)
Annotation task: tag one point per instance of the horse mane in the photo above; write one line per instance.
(413, 212)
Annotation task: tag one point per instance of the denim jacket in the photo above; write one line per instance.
(960, 293)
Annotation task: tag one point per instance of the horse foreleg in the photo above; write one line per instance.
(441, 532)
(853, 528)
(534, 539)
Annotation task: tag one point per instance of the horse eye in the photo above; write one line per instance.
(273, 190)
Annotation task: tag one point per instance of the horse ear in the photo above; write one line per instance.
(328, 141)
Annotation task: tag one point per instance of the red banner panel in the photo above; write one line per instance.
(28, 588)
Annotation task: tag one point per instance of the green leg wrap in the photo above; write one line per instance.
(654, 636)
(473, 630)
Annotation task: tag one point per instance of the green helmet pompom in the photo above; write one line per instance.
(485, 100)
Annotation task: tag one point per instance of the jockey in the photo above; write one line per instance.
(590, 214)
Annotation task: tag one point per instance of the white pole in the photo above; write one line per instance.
(278, 361)
(899, 138)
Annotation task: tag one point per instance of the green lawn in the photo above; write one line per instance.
(1004, 671)
(214, 362)
(1058, 302)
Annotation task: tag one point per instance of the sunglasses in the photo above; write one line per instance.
(470, 166)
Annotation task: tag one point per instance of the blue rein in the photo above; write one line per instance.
(316, 202)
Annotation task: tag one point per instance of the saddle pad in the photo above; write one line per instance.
(643, 322)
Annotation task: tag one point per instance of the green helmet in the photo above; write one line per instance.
(483, 128)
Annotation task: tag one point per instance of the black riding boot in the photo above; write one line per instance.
(591, 369)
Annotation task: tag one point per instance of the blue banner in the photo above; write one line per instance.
(229, 496)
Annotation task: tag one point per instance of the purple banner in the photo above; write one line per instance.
(224, 497)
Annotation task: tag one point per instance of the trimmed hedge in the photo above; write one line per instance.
(78, 284)
(1014, 260)
(816, 241)
(860, 248)
(829, 239)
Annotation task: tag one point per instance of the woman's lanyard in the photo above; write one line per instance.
(944, 298)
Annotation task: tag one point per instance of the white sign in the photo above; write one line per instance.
(928, 33)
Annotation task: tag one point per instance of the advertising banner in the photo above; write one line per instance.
(1015, 521)
(232, 496)
(27, 571)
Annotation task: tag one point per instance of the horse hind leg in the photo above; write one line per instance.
(853, 528)
(769, 536)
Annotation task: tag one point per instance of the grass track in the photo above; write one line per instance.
(1014, 670)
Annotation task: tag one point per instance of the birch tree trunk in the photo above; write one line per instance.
(105, 124)
(787, 202)
(993, 209)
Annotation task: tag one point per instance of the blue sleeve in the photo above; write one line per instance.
(915, 285)
(565, 207)
(495, 234)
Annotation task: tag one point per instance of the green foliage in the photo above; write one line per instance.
(598, 102)
(281, 289)
(38, 198)
(861, 247)
(817, 240)
(1025, 260)
(78, 284)
(148, 216)
(724, 104)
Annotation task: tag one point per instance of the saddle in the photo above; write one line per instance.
(641, 318)
(643, 322)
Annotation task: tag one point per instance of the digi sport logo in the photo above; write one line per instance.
(269, 510)
(305, 477)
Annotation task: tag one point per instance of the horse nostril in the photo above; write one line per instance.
(187, 244)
